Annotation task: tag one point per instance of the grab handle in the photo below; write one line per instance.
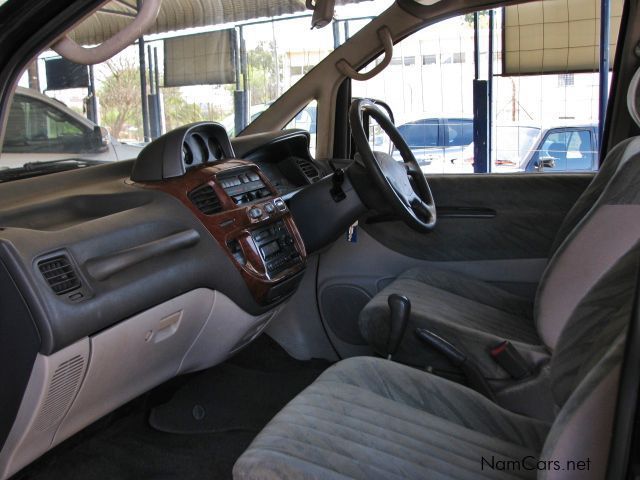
(387, 42)
(107, 49)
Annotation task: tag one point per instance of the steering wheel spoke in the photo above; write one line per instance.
(413, 169)
(423, 209)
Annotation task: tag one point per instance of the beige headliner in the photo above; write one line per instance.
(180, 14)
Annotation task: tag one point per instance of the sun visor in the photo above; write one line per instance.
(556, 36)
(202, 59)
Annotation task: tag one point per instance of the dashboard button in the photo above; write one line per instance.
(269, 208)
(255, 213)
(280, 205)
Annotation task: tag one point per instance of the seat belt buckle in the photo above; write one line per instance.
(506, 355)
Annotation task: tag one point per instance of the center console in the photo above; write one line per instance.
(240, 208)
(235, 201)
(277, 247)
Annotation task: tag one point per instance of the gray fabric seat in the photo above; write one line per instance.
(368, 418)
(476, 316)
(464, 310)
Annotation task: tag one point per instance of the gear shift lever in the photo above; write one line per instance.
(400, 307)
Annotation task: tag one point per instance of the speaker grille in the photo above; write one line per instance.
(340, 306)
(63, 386)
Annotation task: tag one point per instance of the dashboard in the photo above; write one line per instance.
(120, 276)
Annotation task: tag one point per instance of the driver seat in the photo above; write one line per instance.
(476, 316)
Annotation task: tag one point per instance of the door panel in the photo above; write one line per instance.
(487, 217)
(351, 273)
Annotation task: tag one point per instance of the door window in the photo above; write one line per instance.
(307, 119)
(421, 134)
(459, 132)
(566, 151)
(37, 127)
(466, 62)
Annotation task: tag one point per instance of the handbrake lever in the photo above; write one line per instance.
(459, 359)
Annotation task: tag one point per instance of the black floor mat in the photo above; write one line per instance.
(229, 398)
(124, 446)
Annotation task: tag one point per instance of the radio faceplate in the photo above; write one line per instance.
(276, 246)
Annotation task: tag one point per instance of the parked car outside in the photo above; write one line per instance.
(306, 119)
(564, 149)
(438, 142)
(521, 148)
(42, 129)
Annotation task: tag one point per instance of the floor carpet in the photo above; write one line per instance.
(216, 413)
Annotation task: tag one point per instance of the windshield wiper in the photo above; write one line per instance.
(34, 169)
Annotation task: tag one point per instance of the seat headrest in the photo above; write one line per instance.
(633, 97)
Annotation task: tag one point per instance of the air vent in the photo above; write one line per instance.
(62, 388)
(59, 274)
(205, 200)
(308, 169)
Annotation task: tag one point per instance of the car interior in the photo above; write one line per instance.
(275, 306)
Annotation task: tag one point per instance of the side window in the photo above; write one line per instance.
(421, 134)
(36, 127)
(459, 132)
(565, 151)
(581, 154)
(307, 119)
(517, 71)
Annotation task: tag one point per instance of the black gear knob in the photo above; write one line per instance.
(400, 308)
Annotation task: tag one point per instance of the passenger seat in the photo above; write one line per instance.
(369, 418)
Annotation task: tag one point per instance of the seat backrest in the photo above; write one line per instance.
(585, 369)
(584, 304)
(591, 194)
(583, 428)
(608, 169)
(604, 235)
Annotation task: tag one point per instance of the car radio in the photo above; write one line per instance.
(276, 247)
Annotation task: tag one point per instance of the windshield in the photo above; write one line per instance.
(200, 65)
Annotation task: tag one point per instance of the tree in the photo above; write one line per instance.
(261, 68)
(483, 19)
(119, 97)
(120, 102)
(177, 111)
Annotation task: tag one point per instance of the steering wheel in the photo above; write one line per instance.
(413, 203)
